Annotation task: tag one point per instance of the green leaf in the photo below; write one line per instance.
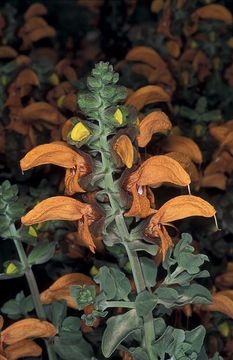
(113, 283)
(27, 304)
(149, 270)
(138, 245)
(8, 266)
(18, 307)
(41, 253)
(145, 302)
(166, 296)
(160, 326)
(88, 101)
(90, 319)
(83, 294)
(57, 312)
(70, 332)
(196, 338)
(139, 354)
(194, 294)
(80, 350)
(11, 307)
(118, 329)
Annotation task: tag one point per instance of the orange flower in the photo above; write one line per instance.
(153, 172)
(21, 349)
(124, 149)
(177, 208)
(155, 122)
(147, 95)
(60, 289)
(185, 145)
(27, 328)
(60, 154)
(65, 208)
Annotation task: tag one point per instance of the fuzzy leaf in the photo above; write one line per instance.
(41, 253)
(149, 271)
(145, 302)
(121, 326)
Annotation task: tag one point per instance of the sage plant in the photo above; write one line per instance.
(112, 203)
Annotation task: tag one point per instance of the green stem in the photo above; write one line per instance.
(32, 286)
(149, 332)
(118, 304)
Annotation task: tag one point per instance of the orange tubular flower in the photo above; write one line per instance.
(60, 154)
(177, 208)
(65, 208)
(153, 172)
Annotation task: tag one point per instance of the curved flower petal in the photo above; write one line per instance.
(85, 234)
(147, 95)
(184, 145)
(155, 122)
(147, 55)
(56, 208)
(166, 241)
(215, 12)
(23, 348)
(124, 148)
(141, 204)
(55, 153)
(159, 169)
(27, 328)
(182, 207)
(60, 154)
(60, 289)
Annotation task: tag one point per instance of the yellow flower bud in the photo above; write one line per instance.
(94, 271)
(11, 269)
(54, 79)
(157, 6)
(230, 42)
(224, 329)
(118, 116)
(60, 101)
(32, 231)
(79, 132)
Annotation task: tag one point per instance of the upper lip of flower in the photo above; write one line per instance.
(66, 208)
(153, 172)
(58, 153)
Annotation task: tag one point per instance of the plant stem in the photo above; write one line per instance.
(110, 187)
(118, 304)
(32, 286)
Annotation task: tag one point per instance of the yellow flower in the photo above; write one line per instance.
(118, 116)
(54, 79)
(32, 231)
(79, 132)
(11, 269)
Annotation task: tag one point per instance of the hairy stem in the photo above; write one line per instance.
(110, 187)
(118, 304)
(32, 286)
